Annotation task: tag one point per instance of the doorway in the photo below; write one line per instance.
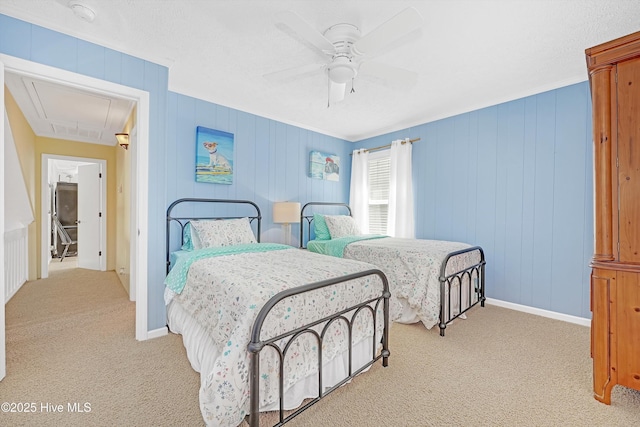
(89, 176)
(139, 170)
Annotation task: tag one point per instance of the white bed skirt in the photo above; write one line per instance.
(202, 354)
(410, 314)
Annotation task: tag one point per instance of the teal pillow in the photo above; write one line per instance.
(186, 238)
(320, 227)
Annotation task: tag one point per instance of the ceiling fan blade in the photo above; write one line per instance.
(304, 30)
(395, 28)
(336, 92)
(388, 75)
(294, 73)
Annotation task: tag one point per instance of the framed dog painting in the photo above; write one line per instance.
(214, 156)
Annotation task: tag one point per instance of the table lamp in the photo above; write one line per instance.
(286, 213)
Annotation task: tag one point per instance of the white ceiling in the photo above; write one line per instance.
(64, 112)
(470, 53)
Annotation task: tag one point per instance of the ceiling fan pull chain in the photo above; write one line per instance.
(352, 89)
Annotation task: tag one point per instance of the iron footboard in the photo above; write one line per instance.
(474, 286)
(255, 346)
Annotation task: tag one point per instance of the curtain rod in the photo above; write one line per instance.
(382, 147)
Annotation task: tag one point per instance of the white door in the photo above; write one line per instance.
(90, 216)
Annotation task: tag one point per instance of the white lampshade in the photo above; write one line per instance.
(286, 212)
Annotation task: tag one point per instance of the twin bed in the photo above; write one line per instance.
(271, 327)
(434, 281)
(268, 326)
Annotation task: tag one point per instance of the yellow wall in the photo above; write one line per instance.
(25, 141)
(123, 208)
(92, 151)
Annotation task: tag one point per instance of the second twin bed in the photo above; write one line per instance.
(434, 281)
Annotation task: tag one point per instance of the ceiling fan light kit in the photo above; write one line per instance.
(342, 36)
(344, 49)
(341, 70)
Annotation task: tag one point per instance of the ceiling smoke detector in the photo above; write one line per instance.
(82, 11)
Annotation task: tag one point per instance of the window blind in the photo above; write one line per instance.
(379, 170)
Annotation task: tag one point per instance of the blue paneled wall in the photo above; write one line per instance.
(515, 178)
(271, 160)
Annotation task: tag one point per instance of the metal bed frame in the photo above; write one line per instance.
(369, 306)
(183, 221)
(476, 271)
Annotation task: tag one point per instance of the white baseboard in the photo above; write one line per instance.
(540, 312)
(157, 333)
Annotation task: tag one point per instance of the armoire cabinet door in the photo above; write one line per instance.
(629, 160)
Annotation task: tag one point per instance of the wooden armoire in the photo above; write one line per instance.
(614, 76)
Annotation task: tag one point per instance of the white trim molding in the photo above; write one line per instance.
(157, 333)
(541, 312)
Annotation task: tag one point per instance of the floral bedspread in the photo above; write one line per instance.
(412, 267)
(226, 293)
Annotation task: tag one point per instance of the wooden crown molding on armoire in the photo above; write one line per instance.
(614, 78)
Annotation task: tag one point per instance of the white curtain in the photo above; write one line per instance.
(359, 192)
(400, 216)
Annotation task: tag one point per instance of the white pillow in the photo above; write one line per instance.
(221, 232)
(341, 226)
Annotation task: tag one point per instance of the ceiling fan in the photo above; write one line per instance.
(346, 52)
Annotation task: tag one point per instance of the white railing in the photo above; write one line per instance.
(16, 261)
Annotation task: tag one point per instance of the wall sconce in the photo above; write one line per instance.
(123, 140)
(286, 213)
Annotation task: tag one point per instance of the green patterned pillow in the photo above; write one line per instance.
(320, 227)
(186, 238)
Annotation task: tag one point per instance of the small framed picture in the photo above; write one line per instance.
(324, 166)
(214, 156)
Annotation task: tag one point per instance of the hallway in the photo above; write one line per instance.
(68, 263)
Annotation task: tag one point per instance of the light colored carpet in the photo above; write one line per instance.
(70, 339)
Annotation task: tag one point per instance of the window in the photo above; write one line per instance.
(379, 170)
